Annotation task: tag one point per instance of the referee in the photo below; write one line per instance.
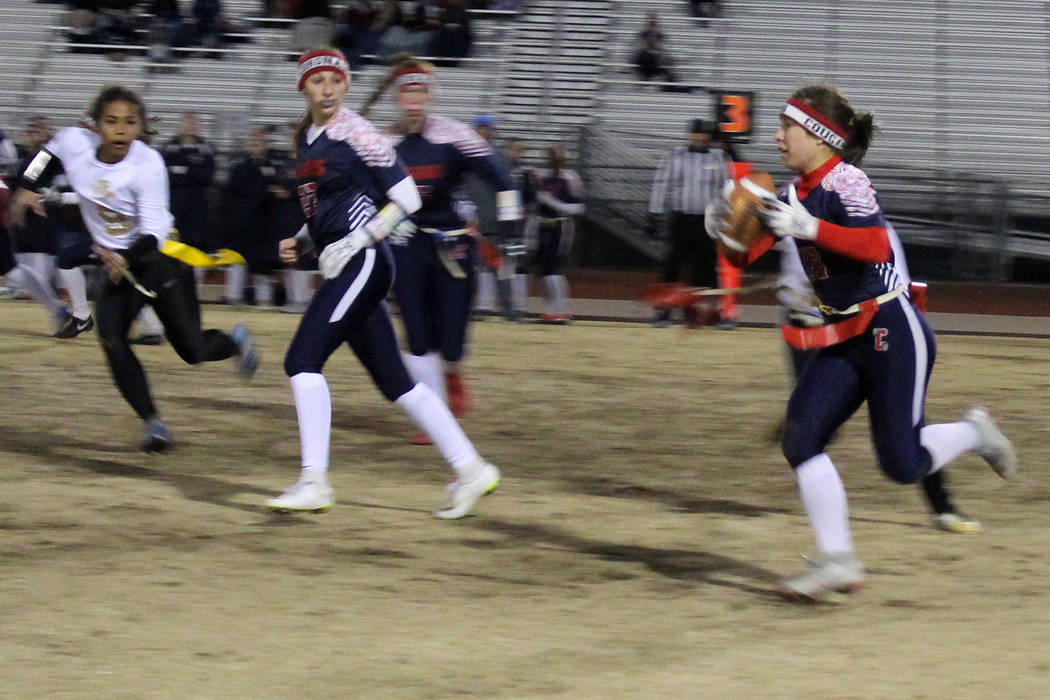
(688, 179)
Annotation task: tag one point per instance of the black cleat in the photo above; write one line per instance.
(155, 436)
(74, 327)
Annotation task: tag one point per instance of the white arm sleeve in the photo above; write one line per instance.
(151, 191)
(406, 195)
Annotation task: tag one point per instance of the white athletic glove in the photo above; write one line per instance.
(402, 232)
(716, 218)
(334, 257)
(790, 219)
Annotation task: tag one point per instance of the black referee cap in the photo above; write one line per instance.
(702, 126)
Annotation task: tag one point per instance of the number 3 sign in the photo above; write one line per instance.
(733, 114)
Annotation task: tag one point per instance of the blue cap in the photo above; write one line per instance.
(484, 120)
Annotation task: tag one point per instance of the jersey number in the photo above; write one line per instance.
(812, 263)
(116, 223)
(308, 198)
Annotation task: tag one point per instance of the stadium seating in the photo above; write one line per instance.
(961, 90)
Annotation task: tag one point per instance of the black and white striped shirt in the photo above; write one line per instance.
(692, 180)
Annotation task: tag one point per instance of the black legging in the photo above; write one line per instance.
(176, 305)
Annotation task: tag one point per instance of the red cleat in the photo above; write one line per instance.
(420, 438)
(458, 402)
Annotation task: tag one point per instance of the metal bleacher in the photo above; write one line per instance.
(960, 90)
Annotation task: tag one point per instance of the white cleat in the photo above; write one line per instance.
(310, 494)
(994, 447)
(955, 522)
(830, 573)
(464, 492)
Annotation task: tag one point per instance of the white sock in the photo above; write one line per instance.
(27, 279)
(148, 322)
(313, 405)
(824, 498)
(233, 289)
(946, 441)
(561, 284)
(43, 264)
(428, 369)
(297, 285)
(432, 416)
(263, 290)
(519, 292)
(550, 285)
(73, 281)
(485, 299)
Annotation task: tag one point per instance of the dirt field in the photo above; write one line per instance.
(631, 551)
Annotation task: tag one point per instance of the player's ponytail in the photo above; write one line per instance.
(861, 130)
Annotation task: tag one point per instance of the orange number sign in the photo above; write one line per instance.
(734, 113)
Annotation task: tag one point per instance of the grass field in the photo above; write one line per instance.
(631, 551)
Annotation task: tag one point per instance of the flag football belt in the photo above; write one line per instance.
(548, 221)
(834, 333)
(198, 258)
(443, 240)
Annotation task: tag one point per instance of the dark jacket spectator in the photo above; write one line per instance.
(453, 37)
(191, 169)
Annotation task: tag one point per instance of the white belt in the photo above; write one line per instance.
(880, 300)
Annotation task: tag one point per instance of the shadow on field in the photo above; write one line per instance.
(384, 423)
(678, 564)
(196, 488)
(610, 488)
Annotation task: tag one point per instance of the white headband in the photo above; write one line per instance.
(815, 123)
(322, 61)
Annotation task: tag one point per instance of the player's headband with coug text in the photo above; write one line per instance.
(322, 60)
(413, 76)
(815, 122)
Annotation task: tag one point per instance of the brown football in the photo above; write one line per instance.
(744, 225)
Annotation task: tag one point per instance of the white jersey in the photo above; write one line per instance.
(120, 202)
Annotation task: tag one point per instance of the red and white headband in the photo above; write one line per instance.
(815, 122)
(318, 61)
(413, 76)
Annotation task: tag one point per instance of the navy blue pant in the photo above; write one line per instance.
(351, 308)
(548, 256)
(435, 305)
(888, 366)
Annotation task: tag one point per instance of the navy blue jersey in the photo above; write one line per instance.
(438, 158)
(844, 196)
(344, 175)
(564, 186)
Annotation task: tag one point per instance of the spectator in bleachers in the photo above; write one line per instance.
(81, 21)
(453, 37)
(705, 9)
(191, 168)
(650, 56)
(411, 29)
(313, 23)
(166, 29)
(207, 18)
(360, 26)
